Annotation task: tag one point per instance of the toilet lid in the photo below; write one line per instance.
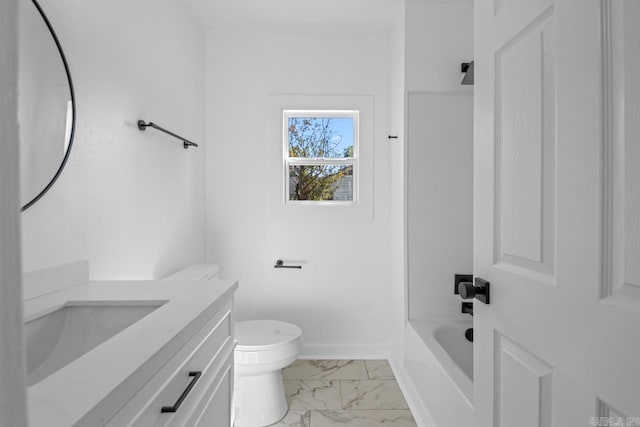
(265, 334)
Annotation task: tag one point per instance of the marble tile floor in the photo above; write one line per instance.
(346, 393)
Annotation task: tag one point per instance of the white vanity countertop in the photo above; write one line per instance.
(119, 366)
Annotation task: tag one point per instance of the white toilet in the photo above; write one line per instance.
(263, 348)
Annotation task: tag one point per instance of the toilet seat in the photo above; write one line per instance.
(261, 335)
(266, 345)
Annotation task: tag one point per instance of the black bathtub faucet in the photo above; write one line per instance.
(467, 307)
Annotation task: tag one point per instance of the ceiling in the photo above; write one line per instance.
(297, 14)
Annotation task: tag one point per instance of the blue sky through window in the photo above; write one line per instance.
(339, 134)
(342, 128)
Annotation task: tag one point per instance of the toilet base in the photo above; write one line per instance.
(260, 400)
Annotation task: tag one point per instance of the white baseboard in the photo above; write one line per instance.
(345, 352)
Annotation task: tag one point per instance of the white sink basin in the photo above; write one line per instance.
(58, 338)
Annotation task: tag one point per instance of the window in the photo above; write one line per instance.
(321, 156)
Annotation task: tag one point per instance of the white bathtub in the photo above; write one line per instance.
(450, 350)
(451, 336)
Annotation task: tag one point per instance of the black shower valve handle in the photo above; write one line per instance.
(466, 290)
(479, 290)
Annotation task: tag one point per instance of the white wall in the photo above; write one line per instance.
(397, 199)
(340, 298)
(439, 200)
(12, 363)
(439, 36)
(130, 202)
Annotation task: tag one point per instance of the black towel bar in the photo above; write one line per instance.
(185, 142)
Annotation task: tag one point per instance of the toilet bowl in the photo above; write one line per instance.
(264, 348)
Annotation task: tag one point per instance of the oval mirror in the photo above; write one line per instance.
(46, 104)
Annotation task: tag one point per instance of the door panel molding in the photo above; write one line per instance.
(603, 410)
(607, 148)
(525, 151)
(522, 386)
(620, 282)
(511, 16)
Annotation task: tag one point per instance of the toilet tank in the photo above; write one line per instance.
(196, 272)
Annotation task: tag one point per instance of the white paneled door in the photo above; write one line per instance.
(557, 212)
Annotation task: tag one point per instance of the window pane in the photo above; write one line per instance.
(320, 136)
(324, 182)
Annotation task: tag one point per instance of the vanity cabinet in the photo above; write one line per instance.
(193, 388)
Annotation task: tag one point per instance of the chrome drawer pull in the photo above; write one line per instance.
(196, 376)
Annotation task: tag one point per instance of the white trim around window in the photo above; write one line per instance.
(303, 214)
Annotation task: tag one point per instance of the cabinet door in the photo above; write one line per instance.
(216, 410)
(210, 351)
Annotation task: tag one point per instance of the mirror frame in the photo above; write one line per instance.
(73, 109)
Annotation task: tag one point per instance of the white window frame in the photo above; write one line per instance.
(312, 161)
